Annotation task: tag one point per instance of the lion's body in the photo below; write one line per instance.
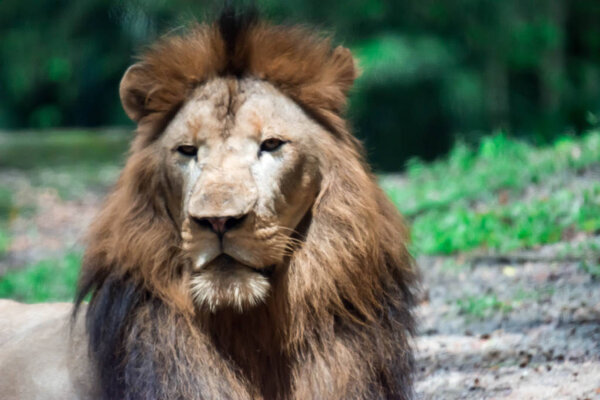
(42, 355)
(247, 251)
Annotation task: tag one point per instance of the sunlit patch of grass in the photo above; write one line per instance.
(498, 163)
(48, 280)
(520, 224)
(482, 306)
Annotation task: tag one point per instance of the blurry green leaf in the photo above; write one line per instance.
(392, 57)
(46, 116)
(59, 69)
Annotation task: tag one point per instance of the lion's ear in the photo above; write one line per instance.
(334, 84)
(346, 69)
(133, 90)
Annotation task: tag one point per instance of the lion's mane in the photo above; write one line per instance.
(338, 322)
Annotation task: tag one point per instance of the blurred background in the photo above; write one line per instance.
(433, 70)
(481, 118)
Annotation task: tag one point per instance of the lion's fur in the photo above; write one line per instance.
(337, 323)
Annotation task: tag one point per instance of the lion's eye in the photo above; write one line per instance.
(187, 150)
(271, 144)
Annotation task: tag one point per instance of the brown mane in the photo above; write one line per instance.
(338, 321)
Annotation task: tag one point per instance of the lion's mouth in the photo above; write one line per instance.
(228, 282)
(225, 262)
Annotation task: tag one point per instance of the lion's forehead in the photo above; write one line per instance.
(246, 108)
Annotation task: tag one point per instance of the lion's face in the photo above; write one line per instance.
(243, 158)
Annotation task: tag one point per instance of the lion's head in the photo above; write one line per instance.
(247, 228)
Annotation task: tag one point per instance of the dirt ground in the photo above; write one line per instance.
(542, 344)
(522, 327)
(46, 226)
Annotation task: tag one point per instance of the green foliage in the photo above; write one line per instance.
(391, 58)
(482, 197)
(48, 280)
(430, 68)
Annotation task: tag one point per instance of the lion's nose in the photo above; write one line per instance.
(220, 225)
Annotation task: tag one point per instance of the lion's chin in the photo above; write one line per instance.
(227, 283)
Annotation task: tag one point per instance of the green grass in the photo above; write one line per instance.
(48, 280)
(502, 195)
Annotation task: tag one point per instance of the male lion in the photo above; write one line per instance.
(246, 251)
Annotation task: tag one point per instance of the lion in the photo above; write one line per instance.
(246, 251)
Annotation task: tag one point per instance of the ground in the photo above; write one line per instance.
(506, 237)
